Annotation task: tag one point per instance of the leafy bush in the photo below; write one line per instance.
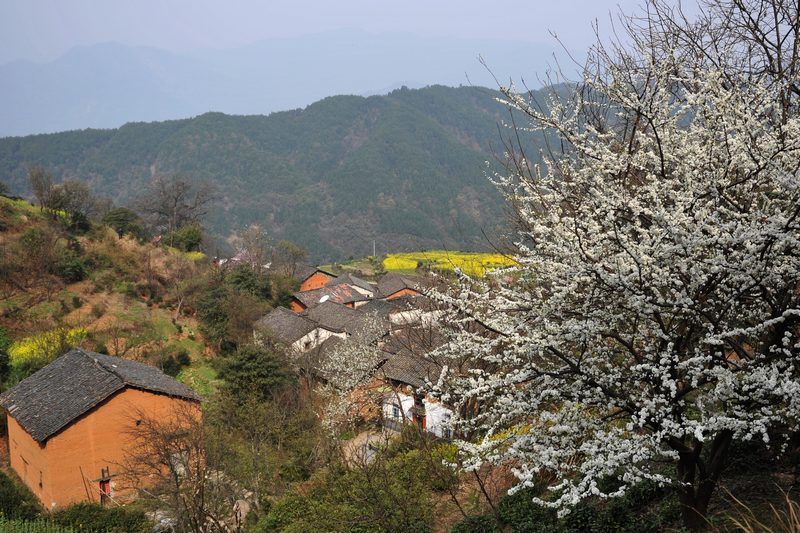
(255, 371)
(16, 501)
(125, 222)
(644, 508)
(35, 526)
(477, 524)
(91, 517)
(188, 238)
(70, 268)
(170, 366)
(360, 498)
(182, 357)
(5, 343)
(243, 278)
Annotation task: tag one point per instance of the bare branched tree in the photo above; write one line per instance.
(173, 464)
(171, 202)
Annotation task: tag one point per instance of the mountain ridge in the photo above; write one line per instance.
(405, 169)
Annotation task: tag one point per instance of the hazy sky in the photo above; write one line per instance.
(42, 30)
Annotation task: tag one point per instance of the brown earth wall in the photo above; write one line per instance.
(67, 468)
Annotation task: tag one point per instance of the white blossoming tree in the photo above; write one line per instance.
(654, 313)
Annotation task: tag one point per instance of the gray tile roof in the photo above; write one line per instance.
(285, 325)
(408, 361)
(349, 279)
(334, 317)
(304, 272)
(391, 283)
(74, 384)
(410, 369)
(383, 308)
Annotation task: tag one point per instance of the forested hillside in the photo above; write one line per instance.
(406, 169)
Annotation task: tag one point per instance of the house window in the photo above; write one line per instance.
(447, 430)
(395, 411)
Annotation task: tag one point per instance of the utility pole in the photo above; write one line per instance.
(373, 247)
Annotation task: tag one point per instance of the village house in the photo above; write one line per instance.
(336, 317)
(392, 286)
(406, 372)
(298, 332)
(324, 316)
(70, 423)
(313, 278)
(362, 286)
(338, 293)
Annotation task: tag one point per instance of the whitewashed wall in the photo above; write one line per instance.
(406, 403)
(437, 417)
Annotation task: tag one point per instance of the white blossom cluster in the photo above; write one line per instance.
(655, 304)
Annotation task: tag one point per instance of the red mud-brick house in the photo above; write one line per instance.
(70, 423)
(393, 286)
(313, 278)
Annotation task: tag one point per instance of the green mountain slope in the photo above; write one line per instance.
(405, 169)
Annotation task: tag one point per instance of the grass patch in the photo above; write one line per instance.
(202, 378)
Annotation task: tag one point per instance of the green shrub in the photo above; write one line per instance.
(98, 310)
(477, 524)
(522, 514)
(182, 357)
(16, 501)
(125, 222)
(91, 517)
(170, 366)
(128, 288)
(188, 238)
(5, 344)
(35, 526)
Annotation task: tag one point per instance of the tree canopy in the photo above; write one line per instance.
(654, 313)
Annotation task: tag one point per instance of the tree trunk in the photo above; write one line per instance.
(698, 479)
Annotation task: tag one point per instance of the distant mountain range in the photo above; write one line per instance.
(107, 85)
(405, 169)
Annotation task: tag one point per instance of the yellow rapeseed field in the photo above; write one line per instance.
(475, 264)
(45, 346)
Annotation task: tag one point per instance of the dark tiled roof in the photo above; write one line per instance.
(334, 316)
(75, 383)
(383, 308)
(391, 283)
(408, 361)
(349, 279)
(304, 272)
(285, 325)
(410, 369)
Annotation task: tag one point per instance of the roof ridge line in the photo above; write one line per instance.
(104, 367)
